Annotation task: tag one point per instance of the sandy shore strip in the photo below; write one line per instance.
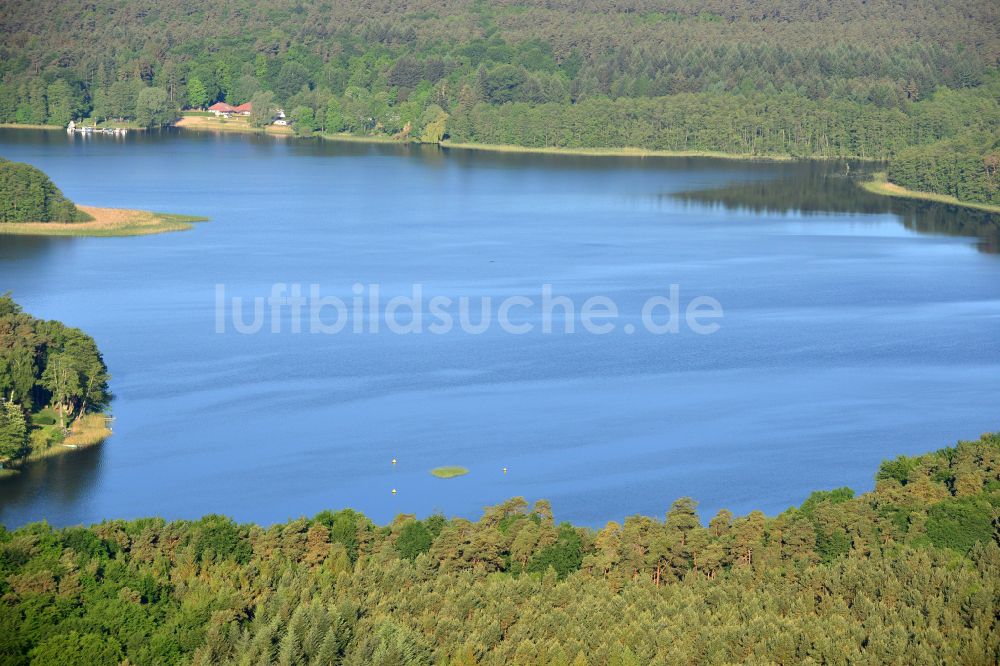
(879, 185)
(106, 222)
(213, 124)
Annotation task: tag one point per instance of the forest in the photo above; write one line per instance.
(918, 86)
(27, 195)
(908, 573)
(51, 377)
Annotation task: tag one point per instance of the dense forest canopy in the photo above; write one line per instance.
(598, 48)
(908, 573)
(50, 375)
(201, 51)
(842, 78)
(27, 195)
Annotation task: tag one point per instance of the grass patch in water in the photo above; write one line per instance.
(449, 472)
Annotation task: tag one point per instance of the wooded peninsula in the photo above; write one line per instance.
(915, 86)
(31, 205)
(53, 388)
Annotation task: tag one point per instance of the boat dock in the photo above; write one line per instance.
(73, 128)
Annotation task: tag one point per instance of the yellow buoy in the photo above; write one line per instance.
(504, 470)
(393, 461)
(393, 491)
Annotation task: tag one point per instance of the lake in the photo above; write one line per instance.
(855, 328)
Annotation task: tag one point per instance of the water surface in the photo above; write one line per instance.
(856, 328)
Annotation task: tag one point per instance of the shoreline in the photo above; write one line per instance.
(628, 152)
(879, 185)
(106, 222)
(583, 152)
(191, 122)
(30, 126)
(86, 432)
(211, 124)
(130, 126)
(344, 137)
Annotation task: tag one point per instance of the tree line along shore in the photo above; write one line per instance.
(906, 573)
(917, 87)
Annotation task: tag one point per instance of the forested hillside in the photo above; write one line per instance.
(906, 574)
(870, 79)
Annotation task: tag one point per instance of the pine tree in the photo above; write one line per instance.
(13, 432)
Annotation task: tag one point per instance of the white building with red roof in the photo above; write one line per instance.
(222, 109)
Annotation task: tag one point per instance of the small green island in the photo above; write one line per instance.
(32, 205)
(449, 471)
(54, 388)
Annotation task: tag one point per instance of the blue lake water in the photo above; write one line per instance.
(855, 328)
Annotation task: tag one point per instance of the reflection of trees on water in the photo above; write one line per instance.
(63, 480)
(14, 247)
(826, 188)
